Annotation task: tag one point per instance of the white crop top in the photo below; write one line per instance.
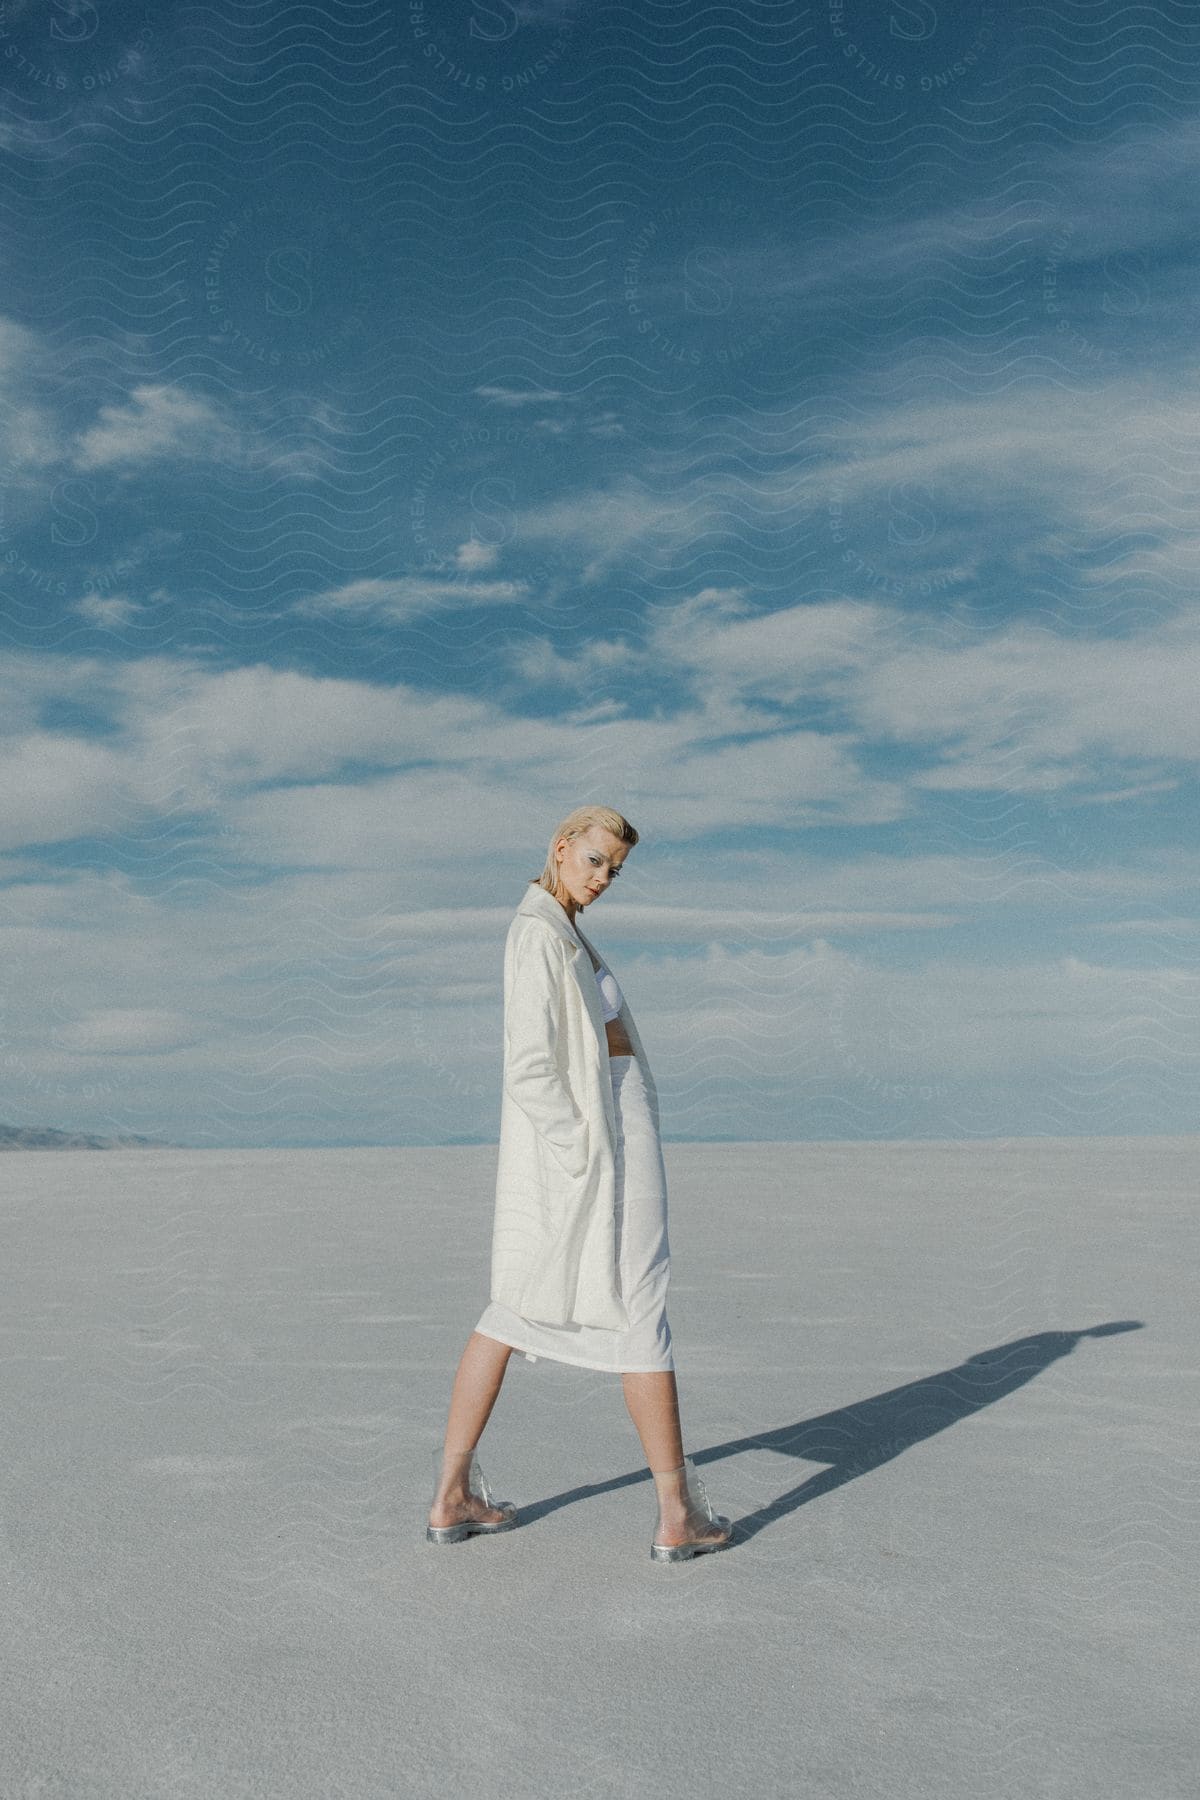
(611, 999)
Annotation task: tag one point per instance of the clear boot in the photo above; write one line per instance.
(484, 1501)
(705, 1529)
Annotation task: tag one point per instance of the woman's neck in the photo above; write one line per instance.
(568, 905)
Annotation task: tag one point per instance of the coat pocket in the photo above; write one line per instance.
(563, 1170)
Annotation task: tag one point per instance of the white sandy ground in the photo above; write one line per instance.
(948, 1392)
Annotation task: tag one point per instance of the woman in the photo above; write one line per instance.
(580, 1256)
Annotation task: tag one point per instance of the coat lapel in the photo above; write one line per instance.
(544, 906)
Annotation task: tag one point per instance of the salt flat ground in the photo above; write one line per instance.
(948, 1392)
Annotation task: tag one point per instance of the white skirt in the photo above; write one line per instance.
(643, 1256)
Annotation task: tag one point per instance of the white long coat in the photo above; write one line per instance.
(553, 1241)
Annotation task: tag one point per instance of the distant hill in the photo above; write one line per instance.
(33, 1137)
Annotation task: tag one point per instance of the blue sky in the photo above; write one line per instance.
(776, 422)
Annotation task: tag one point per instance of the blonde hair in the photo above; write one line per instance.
(573, 826)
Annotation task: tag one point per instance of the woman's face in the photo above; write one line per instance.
(589, 863)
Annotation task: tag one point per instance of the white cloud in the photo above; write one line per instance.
(20, 349)
(512, 397)
(1120, 450)
(256, 988)
(536, 662)
(605, 424)
(324, 997)
(611, 521)
(55, 787)
(29, 438)
(160, 422)
(1016, 709)
(80, 120)
(1059, 1019)
(157, 423)
(126, 1030)
(997, 871)
(785, 655)
(1131, 193)
(410, 596)
(109, 611)
(789, 779)
(534, 769)
(1164, 926)
(1024, 699)
(473, 556)
(238, 727)
(1071, 471)
(670, 923)
(1133, 791)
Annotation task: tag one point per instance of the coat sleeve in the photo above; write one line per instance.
(532, 1075)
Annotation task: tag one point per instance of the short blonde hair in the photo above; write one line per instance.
(573, 826)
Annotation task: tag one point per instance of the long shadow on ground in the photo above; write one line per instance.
(855, 1439)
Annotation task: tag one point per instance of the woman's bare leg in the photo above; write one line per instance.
(477, 1382)
(653, 1402)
